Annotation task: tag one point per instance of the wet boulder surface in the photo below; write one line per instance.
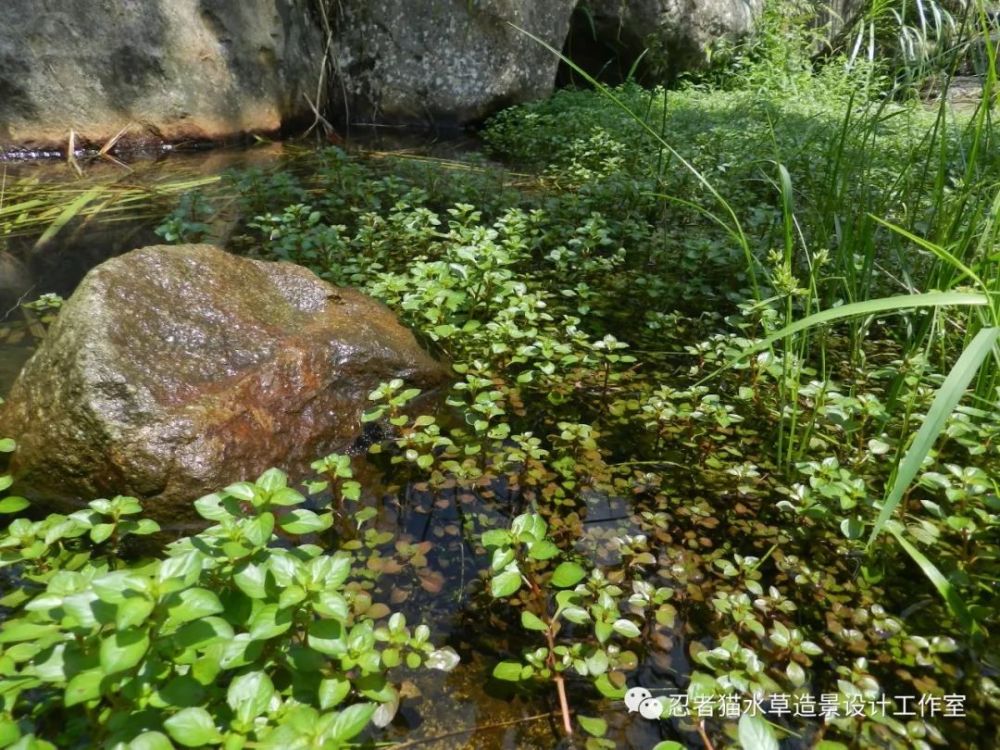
(174, 371)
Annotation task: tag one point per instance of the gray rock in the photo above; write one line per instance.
(174, 69)
(174, 371)
(677, 33)
(443, 61)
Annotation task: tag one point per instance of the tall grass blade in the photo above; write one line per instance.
(68, 213)
(936, 577)
(947, 398)
(866, 307)
(936, 249)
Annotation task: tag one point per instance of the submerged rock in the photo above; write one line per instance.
(169, 70)
(448, 62)
(174, 371)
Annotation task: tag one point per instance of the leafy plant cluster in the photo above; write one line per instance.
(577, 368)
(231, 639)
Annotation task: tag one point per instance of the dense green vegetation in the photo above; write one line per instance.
(724, 425)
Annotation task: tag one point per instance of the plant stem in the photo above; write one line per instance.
(704, 736)
(564, 704)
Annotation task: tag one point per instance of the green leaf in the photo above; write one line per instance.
(101, 532)
(150, 741)
(9, 732)
(626, 628)
(123, 650)
(203, 633)
(755, 733)
(302, 521)
(543, 550)
(84, 687)
(608, 689)
(593, 726)
(7, 445)
(508, 670)
(286, 497)
(351, 721)
(567, 574)
(668, 745)
(193, 727)
(597, 663)
(258, 531)
(796, 674)
(13, 504)
(529, 527)
(852, 528)
(113, 587)
(496, 538)
(179, 571)
(577, 615)
(242, 491)
(182, 691)
(210, 507)
(251, 579)
(531, 621)
(249, 696)
(332, 692)
(132, 612)
(330, 570)
(19, 630)
(272, 480)
(192, 604)
(328, 637)
(505, 583)
(332, 604)
(269, 622)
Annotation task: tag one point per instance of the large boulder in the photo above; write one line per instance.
(173, 371)
(169, 69)
(676, 35)
(446, 62)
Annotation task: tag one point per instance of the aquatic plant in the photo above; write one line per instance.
(229, 639)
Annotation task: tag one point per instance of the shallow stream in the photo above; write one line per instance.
(426, 557)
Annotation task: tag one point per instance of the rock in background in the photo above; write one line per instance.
(442, 61)
(174, 371)
(677, 33)
(175, 69)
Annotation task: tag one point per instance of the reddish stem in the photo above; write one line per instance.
(564, 705)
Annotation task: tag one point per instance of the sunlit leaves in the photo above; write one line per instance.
(202, 639)
(568, 574)
(193, 727)
(249, 696)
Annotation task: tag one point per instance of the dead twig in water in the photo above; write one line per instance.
(71, 153)
(485, 727)
(104, 153)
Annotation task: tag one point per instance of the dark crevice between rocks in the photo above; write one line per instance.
(601, 47)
